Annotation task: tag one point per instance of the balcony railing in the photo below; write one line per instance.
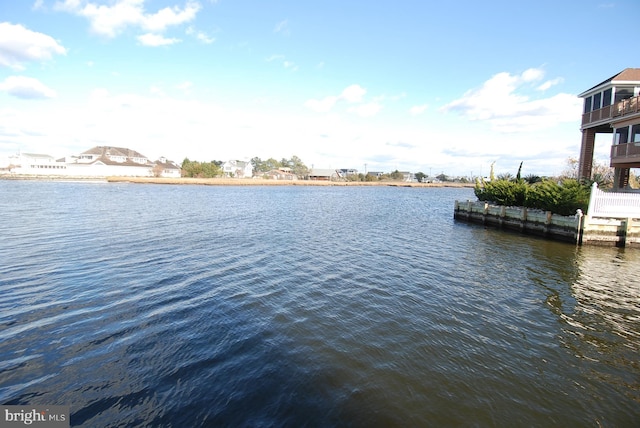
(621, 108)
(625, 153)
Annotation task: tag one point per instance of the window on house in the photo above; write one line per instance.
(623, 94)
(635, 133)
(596, 101)
(621, 135)
(606, 98)
(587, 105)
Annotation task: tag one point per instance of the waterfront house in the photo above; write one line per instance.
(280, 174)
(612, 217)
(613, 107)
(347, 172)
(237, 169)
(99, 161)
(319, 174)
(407, 176)
(35, 164)
(164, 167)
(104, 161)
(112, 155)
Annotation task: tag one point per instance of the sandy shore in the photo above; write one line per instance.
(263, 182)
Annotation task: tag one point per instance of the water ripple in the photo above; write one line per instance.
(291, 306)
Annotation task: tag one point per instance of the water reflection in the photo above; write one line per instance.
(607, 289)
(600, 318)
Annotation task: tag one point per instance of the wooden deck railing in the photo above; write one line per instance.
(621, 108)
(625, 153)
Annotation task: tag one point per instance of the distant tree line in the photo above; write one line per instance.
(392, 176)
(396, 175)
(294, 164)
(197, 169)
(213, 168)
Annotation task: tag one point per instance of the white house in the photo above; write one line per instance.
(36, 164)
(99, 161)
(166, 168)
(237, 169)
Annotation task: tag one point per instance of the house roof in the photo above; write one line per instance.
(37, 155)
(628, 75)
(113, 151)
(106, 161)
(280, 172)
(322, 172)
(167, 165)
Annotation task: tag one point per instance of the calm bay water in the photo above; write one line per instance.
(305, 306)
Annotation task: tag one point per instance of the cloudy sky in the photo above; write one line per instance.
(412, 85)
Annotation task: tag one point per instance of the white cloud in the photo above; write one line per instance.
(366, 110)
(418, 110)
(502, 102)
(204, 38)
(155, 40)
(549, 83)
(532, 74)
(154, 90)
(321, 106)
(282, 27)
(170, 16)
(290, 65)
(26, 88)
(107, 20)
(19, 45)
(110, 20)
(185, 86)
(353, 93)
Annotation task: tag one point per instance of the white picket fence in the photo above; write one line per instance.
(613, 204)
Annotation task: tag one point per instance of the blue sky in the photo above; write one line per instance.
(412, 85)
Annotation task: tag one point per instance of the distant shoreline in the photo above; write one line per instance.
(263, 182)
(232, 181)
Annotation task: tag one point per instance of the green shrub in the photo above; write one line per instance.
(544, 195)
(502, 192)
(573, 196)
(560, 198)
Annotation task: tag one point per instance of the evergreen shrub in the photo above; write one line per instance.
(562, 198)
